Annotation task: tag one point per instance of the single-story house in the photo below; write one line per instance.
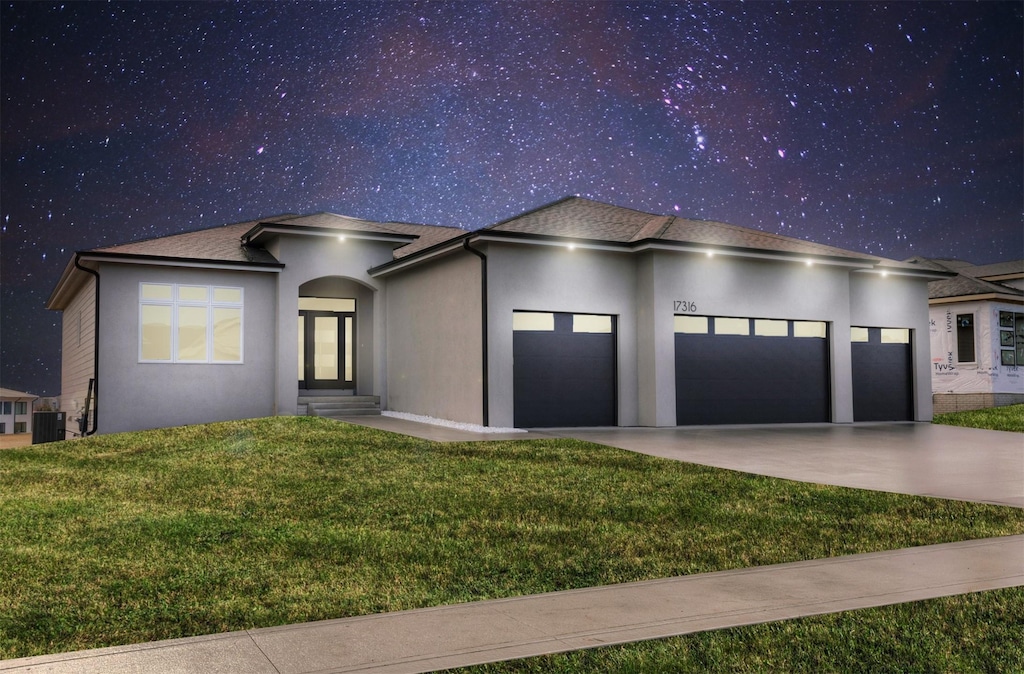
(976, 320)
(15, 411)
(577, 313)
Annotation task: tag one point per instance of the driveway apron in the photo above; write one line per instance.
(925, 459)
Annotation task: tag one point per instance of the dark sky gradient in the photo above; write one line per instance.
(889, 129)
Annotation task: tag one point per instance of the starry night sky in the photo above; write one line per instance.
(889, 129)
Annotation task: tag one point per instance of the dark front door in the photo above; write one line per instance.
(327, 350)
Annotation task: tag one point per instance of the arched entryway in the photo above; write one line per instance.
(335, 336)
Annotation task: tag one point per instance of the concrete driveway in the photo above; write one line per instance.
(910, 458)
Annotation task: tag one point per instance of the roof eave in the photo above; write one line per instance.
(264, 230)
(995, 297)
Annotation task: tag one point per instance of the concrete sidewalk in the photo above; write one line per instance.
(466, 634)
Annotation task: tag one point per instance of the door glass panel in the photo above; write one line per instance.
(769, 328)
(348, 349)
(533, 321)
(302, 348)
(732, 326)
(858, 334)
(809, 329)
(325, 359)
(591, 323)
(895, 336)
(691, 325)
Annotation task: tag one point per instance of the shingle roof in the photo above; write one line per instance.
(576, 217)
(219, 244)
(999, 269)
(966, 281)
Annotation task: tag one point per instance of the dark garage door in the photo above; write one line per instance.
(882, 389)
(563, 369)
(751, 371)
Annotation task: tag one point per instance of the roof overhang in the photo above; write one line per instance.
(573, 243)
(991, 297)
(263, 231)
(72, 278)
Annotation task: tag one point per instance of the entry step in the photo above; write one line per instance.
(340, 406)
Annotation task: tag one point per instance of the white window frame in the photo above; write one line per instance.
(210, 304)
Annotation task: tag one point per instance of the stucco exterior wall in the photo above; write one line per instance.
(78, 333)
(307, 258)
(751, 288)
(135, 396)
(434, 340)
(556, 279)
(896, 301)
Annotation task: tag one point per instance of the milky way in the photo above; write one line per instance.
(893, 129)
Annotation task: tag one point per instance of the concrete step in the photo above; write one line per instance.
(340, 406)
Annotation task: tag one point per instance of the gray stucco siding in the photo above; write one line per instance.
(434, 340)
(895, 301)
(309, 258)
(556, 279)
(135, 395)
(753, 288)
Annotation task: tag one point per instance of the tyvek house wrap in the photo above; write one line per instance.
(987, 374)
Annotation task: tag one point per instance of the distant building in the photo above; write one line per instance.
(577, 313)
(15, 411)
(977, 334)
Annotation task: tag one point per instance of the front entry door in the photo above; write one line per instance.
(327, 350)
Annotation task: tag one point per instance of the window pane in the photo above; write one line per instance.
(191, 333)
(766, 328)
(591, 323)
(349, 356)
(326, 304)
(232, 295)
(895, 336)
(965, 338)
(858, 334)
(691, 325)
(530, 320)
(809, 329)
(325, 360)
(227, 334)
(732, 326)
(193, 293)
(153, 291)
(1006, 357)
(156, 332)
(302, 348)
(21, 407)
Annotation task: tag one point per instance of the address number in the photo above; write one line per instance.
(684, 307)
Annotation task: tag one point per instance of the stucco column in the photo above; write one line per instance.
(842, 371)
(655, 346)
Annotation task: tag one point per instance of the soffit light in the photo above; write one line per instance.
(341, 237)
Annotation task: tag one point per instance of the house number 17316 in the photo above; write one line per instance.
(684, 307)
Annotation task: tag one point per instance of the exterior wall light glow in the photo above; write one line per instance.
(810, 262)
(341, 237)
(885, 273)
(572, 246)
(711, 253)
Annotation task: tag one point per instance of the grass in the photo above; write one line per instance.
(1008, 418)
(170, 533)
(978, 632)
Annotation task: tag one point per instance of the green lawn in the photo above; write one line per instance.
(1008, 418)
(170, 533)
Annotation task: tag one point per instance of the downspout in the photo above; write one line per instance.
(483, 324)
(95, 349)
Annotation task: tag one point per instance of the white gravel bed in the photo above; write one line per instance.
(447, 423)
